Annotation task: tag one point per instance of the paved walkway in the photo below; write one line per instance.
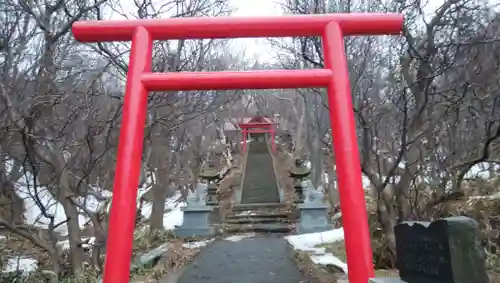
(251, 260)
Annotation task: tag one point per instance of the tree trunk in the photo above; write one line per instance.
(317, 163)
(333, 193)
(160, 194)
(387, 217)
(12, 203)
(74, 235)
(297, 148)
(56, 267)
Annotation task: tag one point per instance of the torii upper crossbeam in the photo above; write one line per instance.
(331, 27)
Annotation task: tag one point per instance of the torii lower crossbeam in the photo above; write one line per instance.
(331, 27)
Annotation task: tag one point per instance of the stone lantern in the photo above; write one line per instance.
(298, 172)
(210, 174)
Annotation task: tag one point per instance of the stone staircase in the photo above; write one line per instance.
(260, 210)
(259, 218)
(259, 180)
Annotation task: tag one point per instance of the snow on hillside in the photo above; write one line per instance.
(173, 214)
(38, 201)
(20, 263)
(481, 171)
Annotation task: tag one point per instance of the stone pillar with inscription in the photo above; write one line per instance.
(444, 251)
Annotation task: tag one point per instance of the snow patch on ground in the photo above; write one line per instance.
(87, 243)
(197, 244)
(310, 242)
(489, 197)
(246, 213)
(21, 263)
(237, 238)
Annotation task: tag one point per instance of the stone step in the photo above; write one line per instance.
(260, 186)
(253, 200)
(261, 182)
(256, 220)
(266, 196)
(250, 192)
(259, 228)
(258, 206)
(259, 200)
(260, 179)
(267, 213)
(259, 189)
(264, 214)
(273, 213)
(269, 192)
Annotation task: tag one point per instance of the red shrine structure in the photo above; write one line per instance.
(141, 80)
(258, 124)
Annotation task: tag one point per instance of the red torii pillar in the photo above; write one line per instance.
(335, 77)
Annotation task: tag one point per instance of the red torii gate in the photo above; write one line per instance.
(331, 27)
(258, 124)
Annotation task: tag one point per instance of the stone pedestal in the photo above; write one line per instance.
(196, 222)
(313, 218)
(215, 216)
(299, 192)
(314, 211)
(212, 194)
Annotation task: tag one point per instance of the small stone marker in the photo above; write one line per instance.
(198, 198)
(444, 251)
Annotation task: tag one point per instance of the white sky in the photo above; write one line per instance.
(257, 48)
(253, 48)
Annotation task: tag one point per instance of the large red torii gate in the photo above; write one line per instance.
(331, 27)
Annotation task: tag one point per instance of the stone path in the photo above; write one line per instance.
(259, 184)
(250, 260)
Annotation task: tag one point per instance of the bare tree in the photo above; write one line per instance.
(418, 102)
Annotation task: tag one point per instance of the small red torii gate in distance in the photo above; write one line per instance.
(335, 78)
(258, 124)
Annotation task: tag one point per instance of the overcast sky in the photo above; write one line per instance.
(252, 47)
(255, 47)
